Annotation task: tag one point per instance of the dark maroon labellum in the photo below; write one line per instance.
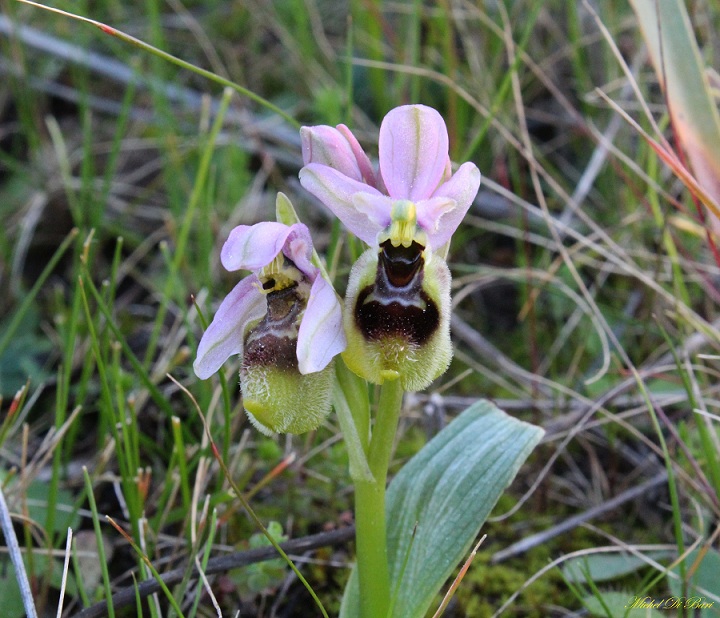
(274, 340)
(396, 305)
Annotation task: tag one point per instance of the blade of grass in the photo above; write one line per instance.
(675, 55)
(368, 13)
(63, 160)
(30, 297)
(66, 568)
(672, 484)
(16, 557)
(170, 58)
(148, 564)
(68, 330)
(456, 582)
(12, 414)
(103, 374)
(54, 485)
(142, 374)
(138, 599)
(187, 223)
(248, 509)
(712, 458)
(153, 601)
(100, 544)
(79, 580)
(203, 564)
(28, 107)
(502, 92)
(181, 459)
(349, 45)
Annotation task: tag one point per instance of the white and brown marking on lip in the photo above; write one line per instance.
(396, 304)
(273, 340)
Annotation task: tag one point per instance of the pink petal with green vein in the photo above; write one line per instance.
(224, 337)
(462, 189)
(321, 335)
(413, 149)
(336, 191)
(251, 247)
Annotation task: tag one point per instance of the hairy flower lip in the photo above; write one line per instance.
(414, 166)
(397, 316)
(320, 334)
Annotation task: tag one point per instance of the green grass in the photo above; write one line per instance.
(115, 203)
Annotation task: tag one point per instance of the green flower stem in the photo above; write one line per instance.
(371, 539)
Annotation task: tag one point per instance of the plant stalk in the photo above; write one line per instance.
(371, 537)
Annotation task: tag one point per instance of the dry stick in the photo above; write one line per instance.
(460, 576)
(482, 346)
(16, 557)
(598, 158)
(574, 521)
(239, 495)
(220, 564)
(633, 549)
(66, 567)
(555, 424)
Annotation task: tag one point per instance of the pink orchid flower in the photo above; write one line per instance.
(280, 258)
(414, 167)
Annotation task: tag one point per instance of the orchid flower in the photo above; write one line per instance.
(397, 317)
(414, 167)
(284, 320)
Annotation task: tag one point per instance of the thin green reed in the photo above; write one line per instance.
(112, 405)
(503, 91)
(207, 550)
(100, 544)
(174, 287)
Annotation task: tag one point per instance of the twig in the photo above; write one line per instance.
(487, 350)
(218, 565)
(16, 557)
(121, 72)
(66, 567)
(574, 521)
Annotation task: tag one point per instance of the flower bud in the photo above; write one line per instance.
(337, 148)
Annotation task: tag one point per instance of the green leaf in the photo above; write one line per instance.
(704, 582)
(10, 597)
(449, 488)
(619, 604)
(285, 211)
(680, 68)
(258, 577)
(604, 567)
(22, 355)
(42, 565)
(66, 515)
